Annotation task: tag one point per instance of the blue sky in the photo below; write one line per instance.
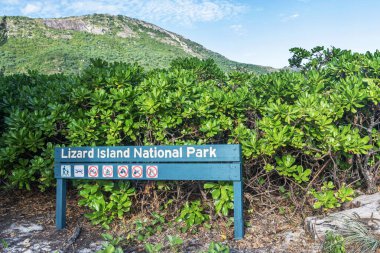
(257, 31)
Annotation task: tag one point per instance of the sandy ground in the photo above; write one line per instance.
(27, 224)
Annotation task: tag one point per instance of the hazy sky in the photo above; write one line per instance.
(257, 31)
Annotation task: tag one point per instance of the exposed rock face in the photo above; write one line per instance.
(172, 38)
(74, 24)
(365, 207)
(126, 33)
(83, 25)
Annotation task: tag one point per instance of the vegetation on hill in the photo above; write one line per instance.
(3, 31)
(66, 45)
(312, 136)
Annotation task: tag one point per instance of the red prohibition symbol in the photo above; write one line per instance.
(107, 171)
(151, 171)
(137, 171)
(122, 171)
(93, 171)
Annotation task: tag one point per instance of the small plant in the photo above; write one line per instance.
(333, 243)
(112, 244)
(327, 198)
(175, 242)
(158, 221)
(284, 192)
(153, 248)
(142, 230)
(4, 243)
(217, 247)
(223, 195)
(192, 215)
(345, 194)
(146, 228)
(286, 167)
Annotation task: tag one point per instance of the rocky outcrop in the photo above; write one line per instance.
(365, 208)
(83, 25)
(74, 24)
(172, 38)
(126, 33)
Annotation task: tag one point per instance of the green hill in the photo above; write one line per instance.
(67, 44)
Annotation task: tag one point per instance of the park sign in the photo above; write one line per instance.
(189, 162)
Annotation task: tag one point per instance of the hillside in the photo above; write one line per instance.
(67, 44)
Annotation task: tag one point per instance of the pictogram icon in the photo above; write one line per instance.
(65, 170)
(78, 170)
(151, 171)
(93, 171)
(107, 171)
(122, 171)
(137, 171)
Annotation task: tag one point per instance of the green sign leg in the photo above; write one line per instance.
(238, 210)
(60, 218)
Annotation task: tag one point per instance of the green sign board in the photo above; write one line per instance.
(198, 162)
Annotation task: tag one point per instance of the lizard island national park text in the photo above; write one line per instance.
(147, 152)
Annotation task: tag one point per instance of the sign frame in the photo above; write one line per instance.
(219, 162)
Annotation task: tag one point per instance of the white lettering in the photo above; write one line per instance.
(91, 153)
(63, 154)
(175, 153)
(137, 152)
(146, 153)
(212, 152)
(126, 153)
(161, 153)
(190, 151)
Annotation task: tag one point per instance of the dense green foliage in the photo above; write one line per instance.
(3, 31)
(66, 45)
(297, 129)
(106, 208)
(222, 194)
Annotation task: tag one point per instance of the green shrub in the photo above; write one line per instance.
(327, 198)
(204, 69)
(286, 167)
(34, 112)
(106, 200)
(320, 123)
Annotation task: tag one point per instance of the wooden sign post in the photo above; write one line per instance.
(198, 162)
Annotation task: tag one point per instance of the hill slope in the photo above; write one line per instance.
(67, 44)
